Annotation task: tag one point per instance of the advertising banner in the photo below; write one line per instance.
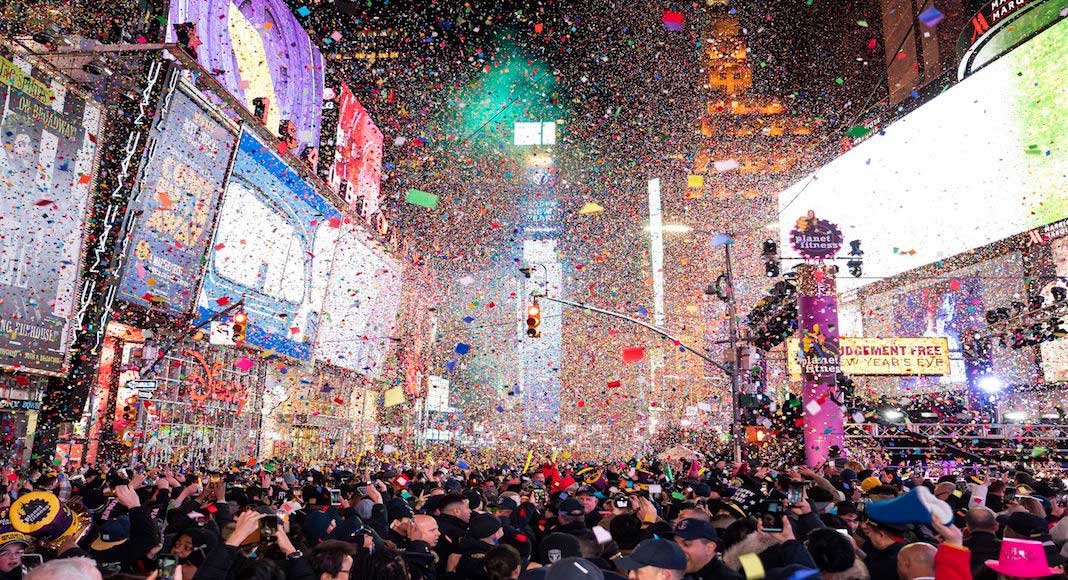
(48, 163)
(883, 356)
(261, 53)
(357, 170)
(361, 303)
(272, 248)
(179, 193)
(817, 317)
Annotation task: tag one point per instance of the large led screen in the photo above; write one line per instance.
(947, 305)
(259, 51)
(983, 161)
(361, 303)
(357, 170)
(180, 187)
(47, 170)
(272, 248)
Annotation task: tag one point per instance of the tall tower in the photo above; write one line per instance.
(750, 145)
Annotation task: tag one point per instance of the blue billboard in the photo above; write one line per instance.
(270, 250)
(178, 194)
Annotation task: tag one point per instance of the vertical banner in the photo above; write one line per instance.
(48, 163)
(817, 314)
(179, 193)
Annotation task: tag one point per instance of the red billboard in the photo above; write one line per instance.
(357, 168)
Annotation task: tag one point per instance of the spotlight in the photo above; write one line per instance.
(855, 268)
(893, 414)
(991, 384)
(1036, 302)
(44, 38)
(1060, 293)
(97, 69)
(1015, 416)
(1003, 314)
(991, 317)
(1018, 307)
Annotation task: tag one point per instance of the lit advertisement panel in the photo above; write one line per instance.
(48, 166)
(357, 170)
(179, 191)
(945, 306)
(983, 161)
(258, 49)
(361, 304)
(272, 245)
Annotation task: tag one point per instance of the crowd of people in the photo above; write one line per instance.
(640, 520)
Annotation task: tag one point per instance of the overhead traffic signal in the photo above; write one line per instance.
(534, 320)
(771, 258)
(240, 321)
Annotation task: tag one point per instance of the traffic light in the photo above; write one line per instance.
(534, 320)
(129, 409)
(771, 258)
(856, 259)
(240, 321)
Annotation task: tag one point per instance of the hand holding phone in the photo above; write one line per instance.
(771, 517)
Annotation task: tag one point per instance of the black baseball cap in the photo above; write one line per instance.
(657, 553)
(695, 529)
(586, 490)
(572, 507)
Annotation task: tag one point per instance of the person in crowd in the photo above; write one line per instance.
(654, 559)
(916, 562)
(982, 540)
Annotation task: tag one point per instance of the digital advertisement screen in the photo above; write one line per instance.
(983, 161)
(48, 163)
(272, 248)
(946, 306)
(178, 196)
(258, 50)
(357, 170)
(360, 307)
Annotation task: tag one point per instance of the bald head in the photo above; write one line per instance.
(694, 514)
(982, 519)
(916, 561)
(425, 529)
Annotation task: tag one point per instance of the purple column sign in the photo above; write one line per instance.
(817, 314)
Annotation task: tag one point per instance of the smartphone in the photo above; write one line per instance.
(165, 565)
(268, 526)
(31, 561)
(772, 516)
(622, 502)
(362, 489)
(538, 494)
(654, 490)
(795, 494)
(335, 497)
(280, 496)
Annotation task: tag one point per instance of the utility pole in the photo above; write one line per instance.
(732, 336)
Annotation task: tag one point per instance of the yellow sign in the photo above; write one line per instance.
(394, 397)
(883, 356)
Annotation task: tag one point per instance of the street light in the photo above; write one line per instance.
(724, 240)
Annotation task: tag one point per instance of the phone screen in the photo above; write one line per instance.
(335, 497)
(268, 526)
(166, 563)
(772, 516)
(795, 494)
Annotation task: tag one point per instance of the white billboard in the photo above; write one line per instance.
(360, 305)
(983, 161)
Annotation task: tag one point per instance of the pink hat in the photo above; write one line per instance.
(1022, 559)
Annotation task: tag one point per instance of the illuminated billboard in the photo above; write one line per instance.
(48, 163)
(272, 248)
(260, 52)
(979, 163)
(360, 306)
(357, 169)
(883, 356)
(178, 193)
